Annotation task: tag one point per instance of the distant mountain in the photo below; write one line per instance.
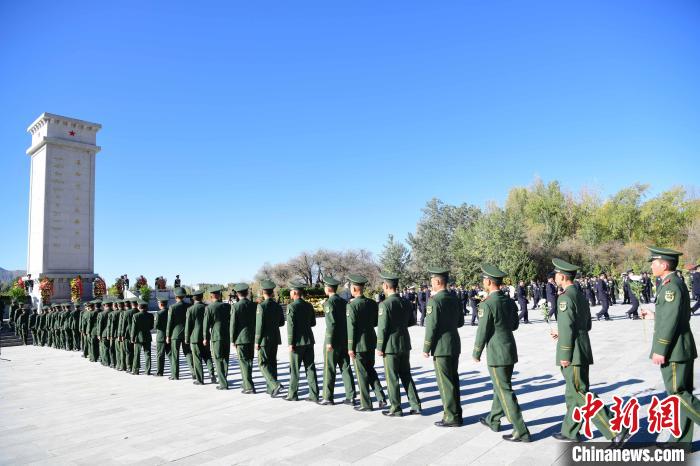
(9, 275)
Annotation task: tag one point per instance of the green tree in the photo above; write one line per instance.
(395, 258)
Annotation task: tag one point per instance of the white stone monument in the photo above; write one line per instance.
(62, 203)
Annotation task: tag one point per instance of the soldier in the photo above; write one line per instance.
(497, 320)
(521, 293)
(362, 316)
(175, 332)
(140, 335)
(632, 298)
(443, 343)
(12, 315)
(673, 345)
(112, 331)
(243, 335)
(695, 286)
(574, 356)
(117, 322)
(75, 326)
(161, 325)
(127, 318)
(335, 349)
(551, 296)
(176, 283)
(84, 332)
(626, 287)
(300, 337)
(423, 297)
(95, 330)
(104, 335)
(194, 337)
(217, 318)
(33, 317)
(268, 319)
(602, 293)
(394, 345)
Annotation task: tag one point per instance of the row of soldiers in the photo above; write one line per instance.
(350, 339)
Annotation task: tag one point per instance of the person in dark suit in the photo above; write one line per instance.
(423, 297)
(521, 295)
(602, 293)
(646, 288)
(632, 311)
(612, 291)
(695, 285)
(176, 283)
(536, 296)
(626, 287)
(551, 296)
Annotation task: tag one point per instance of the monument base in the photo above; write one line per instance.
(61, 287)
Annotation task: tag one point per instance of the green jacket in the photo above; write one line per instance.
(573, 324)
(75, 319)
(194, 323)
(141, 326)
(177, 314)
(498, 318)
(125, 324)
(300, 318)
(103, 319)
(269, 317)
(361, 314)
(673, 337)
(217, 319)
(243, 322)
(114, 323)
(93, 328)
(443, 318)
(33, 320)
(336, 322)
(161, 324)
(394, 318)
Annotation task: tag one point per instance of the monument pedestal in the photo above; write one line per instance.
(61, 287)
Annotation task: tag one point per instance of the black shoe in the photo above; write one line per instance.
(448, 424)
(564, 438)
(383, 404)
(510, 438)
(390, 414)
(148, 373)
(197, 382)
(326, 402)
(276, 391)
(213, 380)
(414, 412)
(157, 375)
(485, 423)
(219, 387)
(362, 409)
(352, 402)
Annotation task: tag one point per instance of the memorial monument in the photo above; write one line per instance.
(62, 204)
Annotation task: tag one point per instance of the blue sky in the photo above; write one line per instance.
(236, 133)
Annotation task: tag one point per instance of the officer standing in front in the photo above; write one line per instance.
(269, 317)
(194, 336)
(217, 318)
(243, 335)
(175, 332)
(300, 337)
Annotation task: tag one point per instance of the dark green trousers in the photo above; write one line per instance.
(95, 355)
(367, 378)
(302, 355)
(162, 349)
(678, 380)
(267, 361)
(76, 339)
(245, 362)
(199, 353)
(576, 378)
(175, 358)
(86, 346)
(333, 360)
(104, 351)
(119, 353)
(397, 369)
(505, 403)
(220, 351)
(448, 384)
(113, 352)
(129, 353)
(136, 363)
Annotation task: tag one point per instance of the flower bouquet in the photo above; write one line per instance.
(544, 309)
(46, 288)
(160, 283)
(76, 289)
(99, 288)
(141, 282)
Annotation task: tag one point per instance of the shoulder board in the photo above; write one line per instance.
(667, 281)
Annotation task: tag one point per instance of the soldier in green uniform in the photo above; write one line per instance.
(33, 317)
(269, 318)
(574, 354)
(673, 346)
(103, 321)
(23, 324)
(443, 318)
(300, 318)
(161, 325)
(194, 336)
(243, 334)
(117, 321)
(140, 335)
(95, 330)
(84, 331)
(12, 315)
(175, 331)
(217, 318)
(75, 327)
(112, 331)
(131, 309)
(335, 350)
(394, 345)
(41, 325)
(498, 318)
(361, 314)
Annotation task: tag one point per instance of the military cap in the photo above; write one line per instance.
(162, 296)
(98, 302)
(240, 287)
(357, 279)
(663, 253)
(267, 284)
(180, 292)
(26, 306)
(198, 293)
(45, 307)
(134, 300)
(297, 286)
(330, 281)
(141, 302)
(564, 267)
(491, 271)
(389, 276)
(439, 271)
(215, 289)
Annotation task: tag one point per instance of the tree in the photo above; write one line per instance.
(395, 258)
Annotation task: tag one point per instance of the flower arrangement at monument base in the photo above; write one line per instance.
(160, 283)
(76, 289)
(141, 282)
(17, 291)
(118, 287)
(544, 309)
(99, 288)
(145, 293)
(46, 288)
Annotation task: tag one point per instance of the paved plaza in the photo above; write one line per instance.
(57, 407)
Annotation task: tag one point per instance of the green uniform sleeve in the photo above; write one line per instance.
(132, 331)
(258, 324)
(565, 328)
(330, 321)
(431, 321)
(382, 328)
(232, 324)
(290, 324)
(312, 315)
(460, 321)
(206, 323)
(170, 324)
(668, 315)
(189, 323)
(515, 320)
(484, 331)
(352, 330)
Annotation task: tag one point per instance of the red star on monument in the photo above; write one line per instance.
(72, 133)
